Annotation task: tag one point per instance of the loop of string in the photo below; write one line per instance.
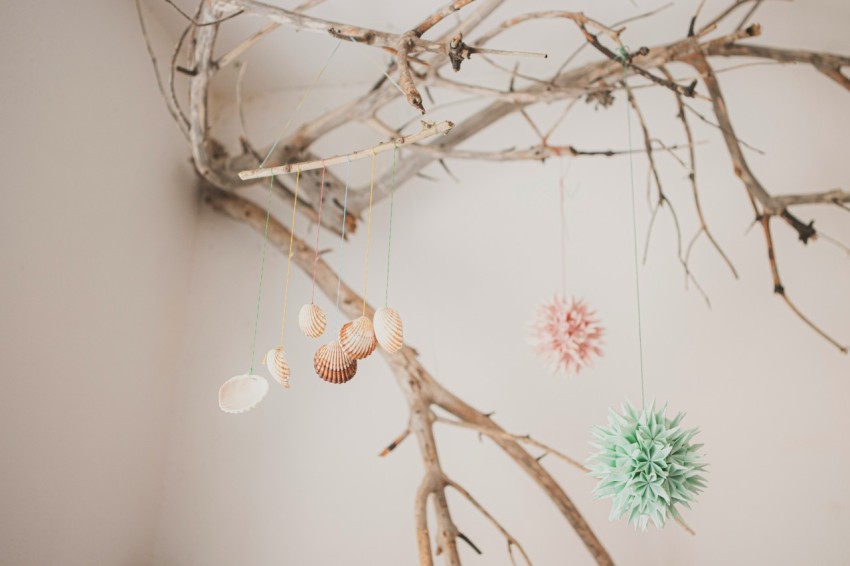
(390, 229)
(269, 203)
(318, 232)
(344, 217)
(369, 231)
(623, 57)
(289, 259)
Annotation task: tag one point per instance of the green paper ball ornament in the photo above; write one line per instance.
(646, 465)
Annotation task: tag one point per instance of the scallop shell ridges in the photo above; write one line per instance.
(312, 320)
(333, 365)
(388, 329)
(278, 365)
(357, 338)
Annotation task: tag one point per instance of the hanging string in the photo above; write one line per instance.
(390, 236)
(318, 232)
(623, 57)
(289, 260)
(369, 231)
(301, 102)
(269, 203)
(260, 286)
(344, 216)
(563, 229)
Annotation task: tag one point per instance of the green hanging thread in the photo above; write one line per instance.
(390, 230)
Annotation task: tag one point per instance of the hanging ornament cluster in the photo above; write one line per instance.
(336, 361)
(566, 334)
(646, 464)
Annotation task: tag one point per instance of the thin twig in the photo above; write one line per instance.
(194, 19)
(512, 542)
(395, 443)
(183, 125)
(692, 176)
(427, 131)
(779, 289)
(524, 439)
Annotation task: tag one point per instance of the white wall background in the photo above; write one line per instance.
(297, 481)
(98, 220)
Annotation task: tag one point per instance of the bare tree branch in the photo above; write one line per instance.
(421, 391)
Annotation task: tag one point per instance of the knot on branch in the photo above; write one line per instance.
(603, 98)
(458, 51)
(753, 30)
(367, 37)
(804, 231)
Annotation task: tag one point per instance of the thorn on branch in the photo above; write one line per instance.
(465, 539)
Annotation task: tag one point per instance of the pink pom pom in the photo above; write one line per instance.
(566, 334)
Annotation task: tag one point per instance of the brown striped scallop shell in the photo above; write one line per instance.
(388, 329)
(333, 365)
(357, 338)
(242, 393)
(311, 320)
(275, 360)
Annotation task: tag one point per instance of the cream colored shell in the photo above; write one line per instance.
(333, 365)
(278, 366)
(357, 338)
(311, 320)
(388, 329)
(242, 393)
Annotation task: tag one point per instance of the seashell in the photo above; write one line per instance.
(333, 365)
(357, 338)
(388, 329)
(275, 360)
(242, 393)
(311, 320)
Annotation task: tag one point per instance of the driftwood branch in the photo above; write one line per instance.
(422, 393)
(418, 64)
(427, 131)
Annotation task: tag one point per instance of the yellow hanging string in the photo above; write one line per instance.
(369, 230)
(289, 259)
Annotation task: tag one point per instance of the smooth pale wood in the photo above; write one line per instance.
(427, 131)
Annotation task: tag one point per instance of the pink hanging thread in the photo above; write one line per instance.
(318, 232)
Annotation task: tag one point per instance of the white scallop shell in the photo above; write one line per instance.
(242, 393)
(388, 329)
(333, 365)
(278, 366)
(311, 320)
(357, 338)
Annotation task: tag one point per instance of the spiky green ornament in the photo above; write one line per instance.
(646, 464)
